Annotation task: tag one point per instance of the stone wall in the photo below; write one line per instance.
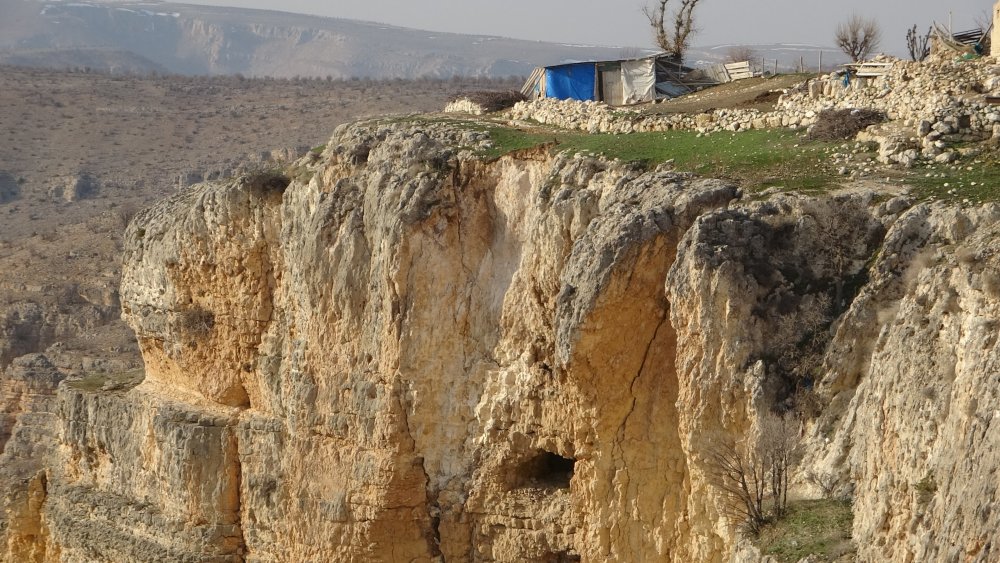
(929, 102)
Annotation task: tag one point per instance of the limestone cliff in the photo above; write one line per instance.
(410, 353)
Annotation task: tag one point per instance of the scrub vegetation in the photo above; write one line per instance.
(820, 528)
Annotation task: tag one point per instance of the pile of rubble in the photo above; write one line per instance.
(483, 101)
(597, 117)
(932, 104)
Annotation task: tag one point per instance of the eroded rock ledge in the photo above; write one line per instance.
(411, 354)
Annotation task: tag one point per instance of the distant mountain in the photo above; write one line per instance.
(186, 39)
(110, 60)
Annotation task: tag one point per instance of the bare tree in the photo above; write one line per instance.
(674, 41)
(755, 471)
(918, 45)
(858, 37)
(984, 21)
(743, 482)
(740, 53)
(778, 437)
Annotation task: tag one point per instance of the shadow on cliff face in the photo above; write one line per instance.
(804, 262)
(545, 470)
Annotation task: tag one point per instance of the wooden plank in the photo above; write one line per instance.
(610, 79)
(946, 39)
(529, 86)
(970, 37)
(873, 69)
(739, 71)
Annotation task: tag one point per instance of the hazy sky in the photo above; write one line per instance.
(621, 23)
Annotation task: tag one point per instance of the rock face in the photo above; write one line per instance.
(411, 354)
(28, 434)
(914, 364)
(433, 403)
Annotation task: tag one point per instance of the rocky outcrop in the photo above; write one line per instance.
(22, 331)
(445, 384)
(28, 438)
(74, 188)
(912, 380)
(410, 353)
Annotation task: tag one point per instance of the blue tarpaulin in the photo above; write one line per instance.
(571, 82)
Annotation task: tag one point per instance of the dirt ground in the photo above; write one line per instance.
(751, 93)
(136, 136)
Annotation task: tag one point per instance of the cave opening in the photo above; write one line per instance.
(545, 470)
(562, 557)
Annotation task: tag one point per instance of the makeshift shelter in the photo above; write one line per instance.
(570, 82)
(618, 82)
(974, 42)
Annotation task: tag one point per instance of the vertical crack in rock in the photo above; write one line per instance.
(431, 506)
(237, 526)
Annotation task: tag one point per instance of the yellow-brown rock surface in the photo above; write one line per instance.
(411, 354)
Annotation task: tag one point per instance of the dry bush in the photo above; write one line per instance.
(840, 124)
(742, 480)
(826, 482)
(197, 321)
(125, 212)
(741, 53)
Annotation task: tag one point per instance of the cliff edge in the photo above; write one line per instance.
(406, 352)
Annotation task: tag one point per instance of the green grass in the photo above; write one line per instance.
(95, 382)
(976, 179)
(507, 140)
(817, 527)
(756, 159)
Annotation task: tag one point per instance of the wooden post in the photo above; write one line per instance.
(763, 66)
(802, 64)
(820, 62)
(776, 67)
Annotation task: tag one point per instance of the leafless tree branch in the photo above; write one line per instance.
(858, 37)
(918, 45)
(677, 40)
(749, 476)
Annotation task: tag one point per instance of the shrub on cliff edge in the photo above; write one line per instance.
(840, 124)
